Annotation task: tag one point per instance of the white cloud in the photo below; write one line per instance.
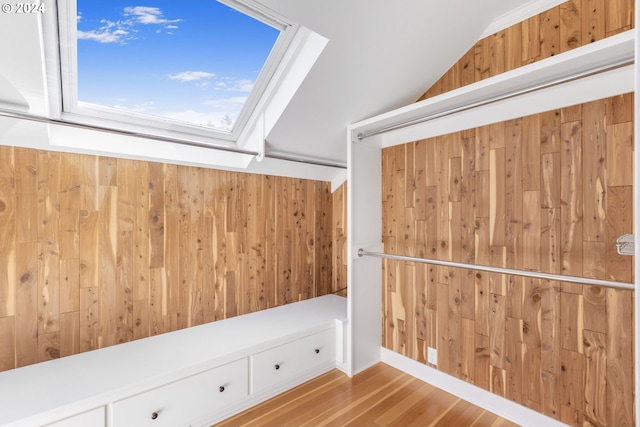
(216, 119)
(103, 35)
(219, 114)
(242, 86)
(148, 15)
(228, 84)
(190, 76)
(122, 30)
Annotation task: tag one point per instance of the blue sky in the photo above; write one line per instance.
(190, 60)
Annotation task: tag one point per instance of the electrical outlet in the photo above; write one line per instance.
(432, 356)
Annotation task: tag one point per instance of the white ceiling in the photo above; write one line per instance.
(381, 55)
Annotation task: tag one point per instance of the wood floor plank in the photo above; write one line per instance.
(376, 396)
(340, 413)
(462, 413)
(399, 413)
(377, 410)
(264, 414)
(380, 396)
(327, 407)
(486, 419)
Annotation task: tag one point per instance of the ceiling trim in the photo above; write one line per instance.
(540, 81)
(519, 14)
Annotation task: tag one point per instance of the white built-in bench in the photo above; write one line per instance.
(194, 376)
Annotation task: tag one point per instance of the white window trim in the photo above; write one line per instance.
(61, 60)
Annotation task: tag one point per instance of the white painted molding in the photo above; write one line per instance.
(52, 137)
(611, 83)
(518, 88)
(491, 402)
(636, 218)
(298, 61)
(519, 14)
(338, 180)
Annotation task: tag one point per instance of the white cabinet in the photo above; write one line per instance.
(195, 376)
(185, 401)
(285, 362)
(93, 418)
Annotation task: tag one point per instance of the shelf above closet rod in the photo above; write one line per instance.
(514, 272)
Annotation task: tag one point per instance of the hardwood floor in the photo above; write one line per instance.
(379, 396)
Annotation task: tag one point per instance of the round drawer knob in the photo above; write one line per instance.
(221, 388)
(154, 415)
(277, 367)
(317, 350)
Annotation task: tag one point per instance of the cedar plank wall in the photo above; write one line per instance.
(567, 26)
(549, 192)
(96, 251)
(339, 203)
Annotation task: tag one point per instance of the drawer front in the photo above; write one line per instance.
(93, 418)
(283, 363)
(181, 402)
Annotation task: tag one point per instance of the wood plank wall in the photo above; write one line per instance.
(339, 202)
(549, 192)
(96, 251)
(569, 25)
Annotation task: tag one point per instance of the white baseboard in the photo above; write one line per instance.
(505, 408)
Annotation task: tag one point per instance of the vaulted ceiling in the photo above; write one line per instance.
(380, 55)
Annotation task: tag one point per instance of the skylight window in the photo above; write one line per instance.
(191, 66)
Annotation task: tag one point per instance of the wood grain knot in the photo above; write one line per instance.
(25, 277)
(53, 353)
(596, 291)
(573, 42)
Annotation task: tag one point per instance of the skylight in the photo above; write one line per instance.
(187, 82)
(198, 64)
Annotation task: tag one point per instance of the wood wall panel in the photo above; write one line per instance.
(563, 349)
(49, 263)
(7, 232)
(557, 207)
(567, 26)
(97, 251)
(339, 244)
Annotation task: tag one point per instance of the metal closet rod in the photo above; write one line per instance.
(411, 122)
(192, 143)
(514, 272)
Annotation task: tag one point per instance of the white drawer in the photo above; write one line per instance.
(283, 363)
(184, 401)
(92, 418)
